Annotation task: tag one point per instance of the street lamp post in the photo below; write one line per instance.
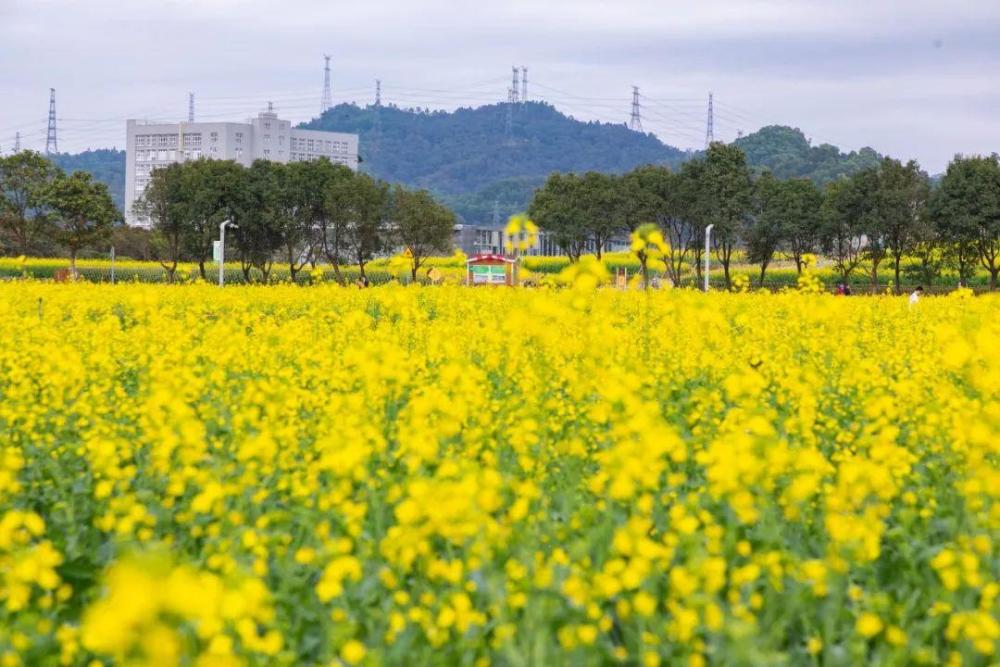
(708, 235)
(222, 249)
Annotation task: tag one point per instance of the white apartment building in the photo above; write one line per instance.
(152, 145)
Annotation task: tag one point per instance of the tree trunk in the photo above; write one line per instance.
(763, 269)
(292, 271)
(201, 268)
(896, 262)
(72, 263)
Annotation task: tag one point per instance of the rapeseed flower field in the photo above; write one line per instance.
(455, 476)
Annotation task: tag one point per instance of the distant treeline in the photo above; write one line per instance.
(867, 221)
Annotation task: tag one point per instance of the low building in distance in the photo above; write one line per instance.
(152, 145)
(489, 239)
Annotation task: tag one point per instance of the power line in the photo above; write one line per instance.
(577, 97)
(710, 125)
(508, 132)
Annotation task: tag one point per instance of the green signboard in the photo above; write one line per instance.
(488, 274)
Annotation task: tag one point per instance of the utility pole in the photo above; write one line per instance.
(710, 125)
(51, 146)
(327, 100)
(708, 235)
(514, 86)
(496, 212)
(17, 142)
(524, 83)
(378, 92)
(220, 247)
(190, 107)
(635, 122)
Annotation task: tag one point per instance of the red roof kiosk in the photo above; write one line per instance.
(489, 270)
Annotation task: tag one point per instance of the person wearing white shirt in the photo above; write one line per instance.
(915, 296)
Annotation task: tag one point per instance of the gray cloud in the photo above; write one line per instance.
(914, 79)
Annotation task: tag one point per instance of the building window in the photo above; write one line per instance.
(267, 152)
(267, 138)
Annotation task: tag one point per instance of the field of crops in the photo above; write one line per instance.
(456, 476)
(781, 274)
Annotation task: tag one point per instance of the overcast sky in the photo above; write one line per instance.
(914, 78)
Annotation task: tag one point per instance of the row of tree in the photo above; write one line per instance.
(39, 203)
(879, 215)
(297, 213)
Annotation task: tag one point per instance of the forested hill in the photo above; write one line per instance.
(788, 154)
(106, 165)
(467, 149)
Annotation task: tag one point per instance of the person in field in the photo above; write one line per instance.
(917, 293)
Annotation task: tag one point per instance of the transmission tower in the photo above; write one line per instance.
(17, 142)
(327, 101)
(190, 107)
(377, 122)
(514, 86)
(51, 146)
(524, 83)
(496, 212)
(710, 125)
(635, 122)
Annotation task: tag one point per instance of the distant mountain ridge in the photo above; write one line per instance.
(467, 159)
